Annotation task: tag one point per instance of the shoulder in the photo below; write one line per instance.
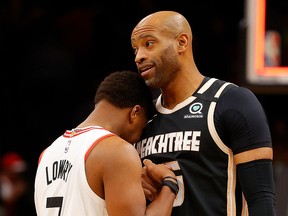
(239, 98)
(114, 150)
(112, 161)
(239, 91)
(240, 107)
(242, 118)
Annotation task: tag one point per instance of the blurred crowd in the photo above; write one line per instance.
(16, 188)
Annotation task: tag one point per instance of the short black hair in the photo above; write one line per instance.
(126, 89)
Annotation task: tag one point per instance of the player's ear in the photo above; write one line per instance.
(182, 41)
(135, 112)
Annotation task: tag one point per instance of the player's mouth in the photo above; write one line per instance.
(144, 70)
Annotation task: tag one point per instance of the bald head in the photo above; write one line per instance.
(170, 22)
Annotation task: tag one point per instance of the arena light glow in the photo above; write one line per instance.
(257, 72)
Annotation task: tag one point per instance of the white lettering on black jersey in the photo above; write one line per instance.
(170, 142)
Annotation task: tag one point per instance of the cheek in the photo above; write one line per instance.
(137, 137)
(138, 131)
(134, 135)
(169, 56)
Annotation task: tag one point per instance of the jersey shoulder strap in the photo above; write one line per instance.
(212, 88)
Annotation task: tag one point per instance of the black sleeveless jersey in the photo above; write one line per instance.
(198, 138)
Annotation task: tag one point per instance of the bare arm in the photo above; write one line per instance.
(165, 198)
(120, 169)
(254, 154)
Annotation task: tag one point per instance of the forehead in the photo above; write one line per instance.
(143, 30)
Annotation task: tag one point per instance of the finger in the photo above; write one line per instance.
(150, 185)
(149, 195)
(147, 162)
(169, 167)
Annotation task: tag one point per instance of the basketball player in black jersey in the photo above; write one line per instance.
(213, 133)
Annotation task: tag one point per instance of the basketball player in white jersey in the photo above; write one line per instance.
(94, 169)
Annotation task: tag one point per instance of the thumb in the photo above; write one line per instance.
(147, 162)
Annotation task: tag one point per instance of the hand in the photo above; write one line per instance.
(152, 176)
(151, 187)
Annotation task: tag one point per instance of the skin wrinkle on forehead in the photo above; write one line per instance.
(150, 31)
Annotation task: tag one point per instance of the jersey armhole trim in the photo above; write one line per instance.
(95, 143)
(41, 155)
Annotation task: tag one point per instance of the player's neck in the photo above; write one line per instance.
(180, 89)
(104, 116)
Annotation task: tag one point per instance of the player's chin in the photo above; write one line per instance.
(152, 83)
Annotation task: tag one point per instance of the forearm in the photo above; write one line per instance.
(165, 199)
(164, 180)
(257, 183)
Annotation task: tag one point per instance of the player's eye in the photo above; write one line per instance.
(135, 50)
(149, 43)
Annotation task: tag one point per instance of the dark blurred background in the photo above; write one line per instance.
(55, 53)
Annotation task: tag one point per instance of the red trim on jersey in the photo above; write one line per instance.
(40, 157)
(95, 143)
(76, 132)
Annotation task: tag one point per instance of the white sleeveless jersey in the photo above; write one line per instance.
(61, 187)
